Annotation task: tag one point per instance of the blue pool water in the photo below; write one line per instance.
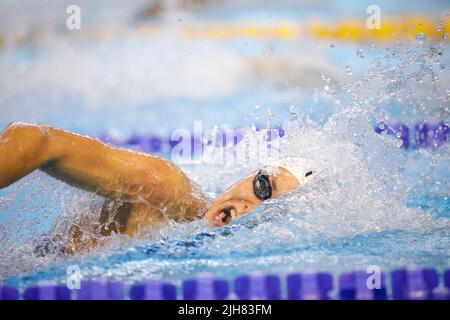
(373, 204)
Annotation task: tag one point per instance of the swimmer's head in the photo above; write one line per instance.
(269, 182)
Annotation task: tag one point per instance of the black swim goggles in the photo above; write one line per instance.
(261, 185)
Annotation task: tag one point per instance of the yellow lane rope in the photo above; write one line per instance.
(345, 29)
(391, 29)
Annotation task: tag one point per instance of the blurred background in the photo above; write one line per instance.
(152, 66)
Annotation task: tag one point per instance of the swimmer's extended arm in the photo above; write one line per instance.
(92, 165)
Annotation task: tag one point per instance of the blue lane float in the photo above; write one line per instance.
(359, 285)
(423, 134)
(8, 293)
(398, 130)
(47, 292)
(257, 286)
(431, 134)
(205, 287)
(414, 284)
(402, 284)
(153, 289)
(309, 286)
(101, 290)
(447, 282)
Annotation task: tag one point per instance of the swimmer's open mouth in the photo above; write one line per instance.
(224, 216)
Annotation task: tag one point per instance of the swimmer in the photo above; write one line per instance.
(140, 190)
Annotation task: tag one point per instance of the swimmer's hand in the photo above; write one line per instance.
(89, 164)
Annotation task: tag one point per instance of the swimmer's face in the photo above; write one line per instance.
(249, 192)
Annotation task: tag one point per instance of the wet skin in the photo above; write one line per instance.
(140, 190)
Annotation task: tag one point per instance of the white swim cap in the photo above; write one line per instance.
(300, 168)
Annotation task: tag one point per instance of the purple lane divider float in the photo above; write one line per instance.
(447, 282)
(423, 134)
(360, 285)
(147, 143)
(257, 286)
(101, 290)
(414, 284)
(309, 286)
(440, 134)
(431, 134)
(153, 289)
(8, 293)
(407, 283)
(47, 292)
(400, 131)
(205, 287)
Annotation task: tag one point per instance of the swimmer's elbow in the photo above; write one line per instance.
(28, 130)
(32, 138)
(23, 148)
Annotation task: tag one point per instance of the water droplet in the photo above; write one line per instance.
(360, 53)
(293, 112)
(348, 70)
(270, 114)
(421, 37)
(434, 77)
